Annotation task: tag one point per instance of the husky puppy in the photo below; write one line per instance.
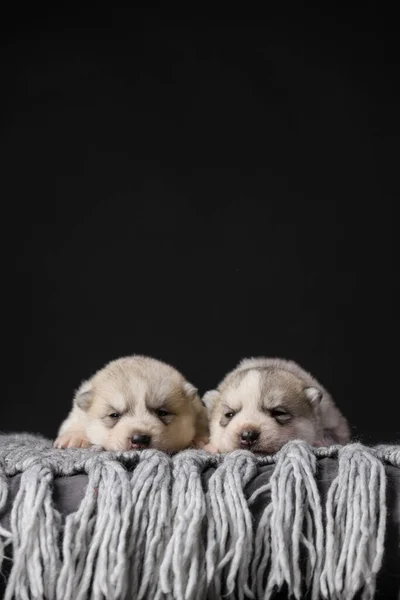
(265, 402)
(133, 403)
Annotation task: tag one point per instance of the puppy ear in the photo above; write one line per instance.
(210, 398)
(84, 395)
(314, 395)
(190, 390)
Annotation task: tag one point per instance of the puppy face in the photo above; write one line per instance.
(261, 410)
(139, 402)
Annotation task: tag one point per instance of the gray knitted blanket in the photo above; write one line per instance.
(191, 526)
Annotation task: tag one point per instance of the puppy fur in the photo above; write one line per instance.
(135, 396)
(277, 401)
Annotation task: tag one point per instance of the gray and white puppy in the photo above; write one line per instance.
(133, 403)
(265, 402)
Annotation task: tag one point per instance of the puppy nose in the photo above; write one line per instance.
(141, 440)
(249, 436)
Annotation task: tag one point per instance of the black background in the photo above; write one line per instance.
(200, 189)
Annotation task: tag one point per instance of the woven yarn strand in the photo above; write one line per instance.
(230, 527)
(291, 523)
(150, 522)
(356, 523)
(35, 526)
(182, 574)
(5, 535)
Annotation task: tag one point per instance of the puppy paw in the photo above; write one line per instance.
(319, 443)
(210, 448)
(71, 440)
(199, 442)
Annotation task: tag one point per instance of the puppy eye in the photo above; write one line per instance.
(114, 415)
(282, 416)
(161, 412)
(230, 414)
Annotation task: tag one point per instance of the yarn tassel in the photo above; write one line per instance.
(355, 525)
(35, 526)
(182, 574)
(105, 573)
(230, 526)
(5, 535)
(150, 522)
(290, 524)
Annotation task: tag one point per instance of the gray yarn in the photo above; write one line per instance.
(5, 536)
(151, 524)
(34, 529)
(356, 520)
(181, 573)
(291, 520)
(230, 528)
(150, 527)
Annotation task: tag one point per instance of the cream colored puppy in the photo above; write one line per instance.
(133, 403)
(265, 402)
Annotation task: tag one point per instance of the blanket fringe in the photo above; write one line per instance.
(35, 528)
(356, 523)
(230, 527)
(182, 528)
(5, 535)
(151, 525)
(181, 573)
(290, 523)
